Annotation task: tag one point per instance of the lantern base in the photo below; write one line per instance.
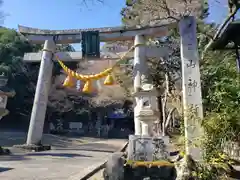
(33, 147)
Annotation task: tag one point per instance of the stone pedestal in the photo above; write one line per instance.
(146, 148)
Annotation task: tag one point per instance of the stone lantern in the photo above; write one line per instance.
(147, 146)
(3, 95)
(5, 92)
(147, 108)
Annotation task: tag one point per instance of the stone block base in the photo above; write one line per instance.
(146, 148)
(32, 147)
(4, 151)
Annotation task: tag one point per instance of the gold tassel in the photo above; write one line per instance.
(68, 82)
(109, 80)
(87, 87)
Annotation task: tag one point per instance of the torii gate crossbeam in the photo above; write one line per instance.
(39, 36)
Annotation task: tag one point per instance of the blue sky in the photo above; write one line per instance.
(67, 14)
(61, 14)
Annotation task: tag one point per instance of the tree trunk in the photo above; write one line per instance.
(164, 104)
(169, 118)
(159, 124)
(164, 115)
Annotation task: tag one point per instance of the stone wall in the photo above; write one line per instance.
(233, 150)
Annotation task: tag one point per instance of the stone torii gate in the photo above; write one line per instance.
(190, 67)
(51, 38)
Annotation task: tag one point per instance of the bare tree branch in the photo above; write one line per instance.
(233, 10)
(169, 117)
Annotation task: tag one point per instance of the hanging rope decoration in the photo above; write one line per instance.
(68, 82)
(108, 74)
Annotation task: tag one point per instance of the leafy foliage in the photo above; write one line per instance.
(221, 100)
(12, 48)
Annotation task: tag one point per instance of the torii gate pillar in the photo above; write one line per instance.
(139, 69)
(41, 95)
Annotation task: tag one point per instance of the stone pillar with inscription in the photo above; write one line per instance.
(191, 86)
